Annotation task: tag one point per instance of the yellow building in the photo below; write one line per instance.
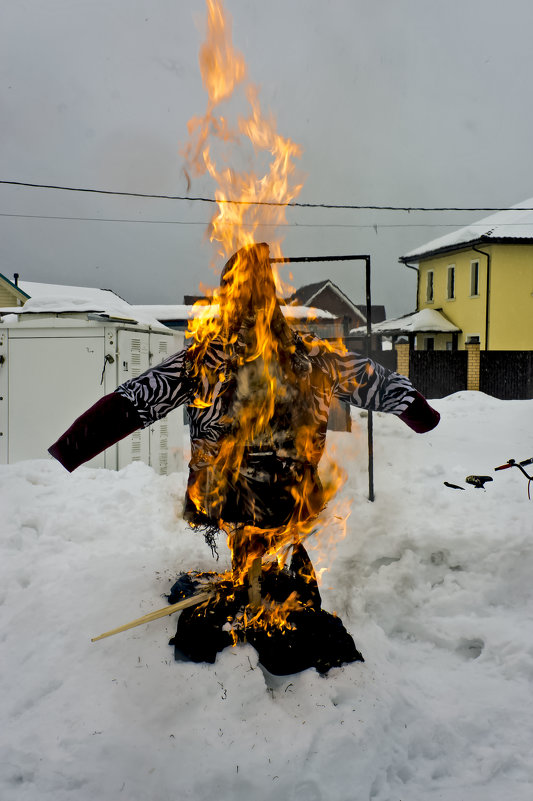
(481, 279)
(10, 293)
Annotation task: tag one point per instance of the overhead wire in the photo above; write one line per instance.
(291, 204)
(260, 225)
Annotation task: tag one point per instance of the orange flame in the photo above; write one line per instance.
(249, 311)
(235, 224)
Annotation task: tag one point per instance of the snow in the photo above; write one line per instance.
(184, 312)
(306, 313)
(61, 299)
(514, 223)
(424, 320)
(433, 583)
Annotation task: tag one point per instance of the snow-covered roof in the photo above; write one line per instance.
(306, 294)
(183, 312)
(424, 321)
(60, 298)
(514, 224)
(306, 313)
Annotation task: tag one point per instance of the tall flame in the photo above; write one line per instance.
(248, 307)
(223, 70)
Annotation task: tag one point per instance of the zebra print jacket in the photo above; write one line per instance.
(347, 376)
(270, 473)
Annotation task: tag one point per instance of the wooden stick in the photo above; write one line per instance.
(254, 583)
(168, 610)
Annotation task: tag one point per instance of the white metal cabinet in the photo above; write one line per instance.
(52, 369)
(50, 379)
(133, 359)
(166, 436)
(4, 407)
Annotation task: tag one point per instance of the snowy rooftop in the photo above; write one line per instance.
(61, 299)
(184, 312)
(513, 224)
(425, 321)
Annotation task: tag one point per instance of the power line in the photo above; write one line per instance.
(101, 219)
(260, 225)
(292, 204)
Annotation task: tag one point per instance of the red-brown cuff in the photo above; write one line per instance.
(419, 415)
(111, 419)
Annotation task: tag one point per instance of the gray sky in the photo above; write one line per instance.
(394, 102)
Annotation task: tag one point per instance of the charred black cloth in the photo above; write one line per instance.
(313, 637)
(264, 494)
(317, 640)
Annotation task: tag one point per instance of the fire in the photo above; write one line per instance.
(268, 381)
(235, 225)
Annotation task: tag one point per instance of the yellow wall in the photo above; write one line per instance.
(511, 295)
(511, 292)
(8, 295)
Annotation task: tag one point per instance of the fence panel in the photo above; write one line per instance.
(436, 373)
(385, 357)
(506, 374)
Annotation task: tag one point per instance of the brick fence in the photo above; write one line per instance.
(502, 374)
(472, 370)
(402, 359)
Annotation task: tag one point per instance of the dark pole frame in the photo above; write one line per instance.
(354, 257)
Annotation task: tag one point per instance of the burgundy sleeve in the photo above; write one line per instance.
(419, 415)
(109, 420)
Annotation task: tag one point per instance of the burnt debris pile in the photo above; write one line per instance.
(287, 626)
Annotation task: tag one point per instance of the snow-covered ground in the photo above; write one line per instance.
(433, 583)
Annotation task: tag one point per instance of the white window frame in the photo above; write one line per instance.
(450, 282)
(430, 284)
(474, 270)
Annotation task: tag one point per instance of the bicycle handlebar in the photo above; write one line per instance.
(514, 463)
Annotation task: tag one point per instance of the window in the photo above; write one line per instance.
(429, 287)
(451, 282)
(429, 343)
(474, 278)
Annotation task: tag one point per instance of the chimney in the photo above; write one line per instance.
(16, 279)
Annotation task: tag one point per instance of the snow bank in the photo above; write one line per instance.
(433, 583)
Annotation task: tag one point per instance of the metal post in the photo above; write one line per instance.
(370, 419)
(366, 259)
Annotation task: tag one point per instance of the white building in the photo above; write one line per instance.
(61, 351)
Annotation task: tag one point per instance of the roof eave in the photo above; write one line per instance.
(20, 292)
(342, 296)
(430, 254)
(470, 245)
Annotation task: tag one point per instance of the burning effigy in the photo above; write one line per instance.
(258, 396)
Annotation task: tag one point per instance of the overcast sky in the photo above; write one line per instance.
(394, 102)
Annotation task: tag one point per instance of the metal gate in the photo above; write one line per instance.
(506, 374)
(436, 373)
